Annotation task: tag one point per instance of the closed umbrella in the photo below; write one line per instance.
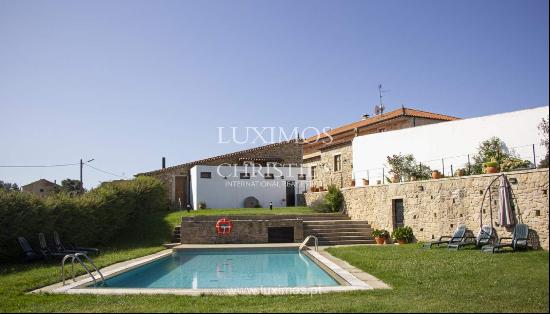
(505, 210)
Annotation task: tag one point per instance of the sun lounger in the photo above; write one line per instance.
(458, 236)
(518, 241)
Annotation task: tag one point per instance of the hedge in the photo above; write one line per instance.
(94, 218)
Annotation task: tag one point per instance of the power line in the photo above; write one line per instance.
(37, 166)
(105, 171)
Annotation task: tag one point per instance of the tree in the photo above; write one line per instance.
(407, 166)
(6, 186)
(543, 127)
(493, 149)
(70, 186)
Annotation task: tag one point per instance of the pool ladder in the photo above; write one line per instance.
(304, 244)
(76, 257)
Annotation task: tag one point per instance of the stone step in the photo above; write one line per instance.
(344, 238)
(330, 222)
(338, 233)
(345, 242)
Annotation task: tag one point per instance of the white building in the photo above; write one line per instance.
(229, 186)
(447, 144)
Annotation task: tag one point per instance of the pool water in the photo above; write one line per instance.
(227, 268)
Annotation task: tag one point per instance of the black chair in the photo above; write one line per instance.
(28, 253)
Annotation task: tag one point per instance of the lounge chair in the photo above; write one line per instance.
(60, 247)
(458, 236)
(484, 237)
(518, 240)
(46, 251)
(28, 253)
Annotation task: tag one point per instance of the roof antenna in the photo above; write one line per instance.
(379, 109)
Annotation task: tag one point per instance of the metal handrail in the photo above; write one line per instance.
(74, 257)
(304, 243)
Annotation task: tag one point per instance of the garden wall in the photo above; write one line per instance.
(435, 207)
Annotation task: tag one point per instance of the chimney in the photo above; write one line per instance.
(365, 116)
(163, 162)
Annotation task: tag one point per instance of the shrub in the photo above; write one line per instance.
(403, 233)
(490, 164)
(380, 233)
(202, 205)
(94, 218)
(334, 198)
(515, 164)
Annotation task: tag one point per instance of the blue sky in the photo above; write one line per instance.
(127, 82)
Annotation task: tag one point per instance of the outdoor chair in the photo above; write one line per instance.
(46, 251)
(28, 253)
(458, 236)
(484, 237)
(70, 247)
(518, 240)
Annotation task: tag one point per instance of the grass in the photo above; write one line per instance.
(175, 217)
(423, 280)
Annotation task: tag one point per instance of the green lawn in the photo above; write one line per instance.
(423, 280)
(175, 217)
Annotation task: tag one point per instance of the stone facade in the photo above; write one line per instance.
(320, 154)
(249, 230)
(176, 178)
(435, 207)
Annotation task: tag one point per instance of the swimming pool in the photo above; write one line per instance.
(227, 268)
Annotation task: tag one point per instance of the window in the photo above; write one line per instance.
(41, 190)
(245, 175)
(301, 176)
(206, 175)
(313, 172)
(269, 176)
(337, 163)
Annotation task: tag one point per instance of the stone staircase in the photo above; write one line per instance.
(341, 231)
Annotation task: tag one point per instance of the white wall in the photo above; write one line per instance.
(219, 192)
(453, 140)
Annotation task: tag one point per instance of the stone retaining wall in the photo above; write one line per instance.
(435, 207)
(249, 230)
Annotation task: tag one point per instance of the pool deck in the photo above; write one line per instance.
(351, 278)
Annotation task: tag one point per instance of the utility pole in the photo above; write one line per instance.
(81, 183)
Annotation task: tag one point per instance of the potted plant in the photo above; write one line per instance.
(365, 181)
(402, 235)
(413, 178)
(436, 175)
(491, 166)
(202, 205)
(380, 236)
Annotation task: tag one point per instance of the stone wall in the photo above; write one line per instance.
(249, 230)
(435, 207)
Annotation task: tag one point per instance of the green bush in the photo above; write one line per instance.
(94, 218)
(334, 198)
(403, 233)
(515, 164)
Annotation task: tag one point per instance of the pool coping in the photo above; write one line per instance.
(345, 274)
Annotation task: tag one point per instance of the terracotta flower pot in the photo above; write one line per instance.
(402, 241)
(436, 175)
(365, 182)
(380, 240)
(395, 178)
(413, 178)
(491, 169)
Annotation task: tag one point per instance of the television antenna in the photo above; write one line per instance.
(379, 109)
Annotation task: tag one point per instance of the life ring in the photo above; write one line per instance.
(224, 226)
